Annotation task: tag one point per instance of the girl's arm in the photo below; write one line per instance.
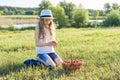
(37, 39)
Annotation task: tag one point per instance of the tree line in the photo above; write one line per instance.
(67, 14)
(7, 10)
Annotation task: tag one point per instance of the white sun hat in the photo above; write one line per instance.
(46, 14)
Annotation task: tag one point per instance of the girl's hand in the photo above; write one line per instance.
(52, 43)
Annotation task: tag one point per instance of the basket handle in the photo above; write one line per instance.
(71, 57)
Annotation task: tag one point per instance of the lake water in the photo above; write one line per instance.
(19, 26)
(97, 20)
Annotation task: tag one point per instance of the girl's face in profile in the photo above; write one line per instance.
(47, 21)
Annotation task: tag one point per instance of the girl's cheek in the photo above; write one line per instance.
(45, 23)
(49, 22)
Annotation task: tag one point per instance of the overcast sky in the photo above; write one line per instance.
(87, 4)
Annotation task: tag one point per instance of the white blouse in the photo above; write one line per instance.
(45, 49)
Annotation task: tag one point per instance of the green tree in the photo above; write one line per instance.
(115, 6)
(30, 12)
(112, 19)
(81, 18)
(5, 11)
(20, 12)
(1, 12)
(10, 12)
(68, 7)
(35, 13)
(15, 10)
(107, 7)
(101, 13)
(95, 15)
(45, 4)
(60, 17)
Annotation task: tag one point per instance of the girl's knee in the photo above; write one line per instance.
(58, 61)
(51, 62)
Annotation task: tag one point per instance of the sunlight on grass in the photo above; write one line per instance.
(100, 49)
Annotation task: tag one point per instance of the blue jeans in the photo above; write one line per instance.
(44, 57)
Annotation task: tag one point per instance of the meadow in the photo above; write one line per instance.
(98, 47)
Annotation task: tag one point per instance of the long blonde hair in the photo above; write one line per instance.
(42, 30)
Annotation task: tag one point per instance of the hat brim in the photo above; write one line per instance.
(47, 17)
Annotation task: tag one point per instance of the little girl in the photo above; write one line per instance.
(45, 40)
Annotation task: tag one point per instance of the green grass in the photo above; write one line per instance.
(100, 49)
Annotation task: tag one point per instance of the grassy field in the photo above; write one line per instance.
(100, 49)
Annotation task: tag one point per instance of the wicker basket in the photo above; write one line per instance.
(72, 64)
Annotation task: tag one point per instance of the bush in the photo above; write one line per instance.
(93, 24)
(80, 18)
(0, 27)
(30, 12)
(11, 27)
(27, 28)
(112, 19)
